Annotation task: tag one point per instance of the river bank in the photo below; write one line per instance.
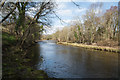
(101, 48)
(15, 64)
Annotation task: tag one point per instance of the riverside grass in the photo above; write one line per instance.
(101, 48)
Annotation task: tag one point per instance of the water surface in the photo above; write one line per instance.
(62, 61)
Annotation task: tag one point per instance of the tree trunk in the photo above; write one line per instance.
(119, 23)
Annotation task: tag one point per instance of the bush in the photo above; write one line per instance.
(109, 43)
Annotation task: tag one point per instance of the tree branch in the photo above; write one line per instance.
(59, 18)
(9, 13)
(76, 4)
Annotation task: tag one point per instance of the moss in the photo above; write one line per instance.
(8, 39)
(14, 64)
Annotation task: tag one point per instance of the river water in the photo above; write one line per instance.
(62, 61)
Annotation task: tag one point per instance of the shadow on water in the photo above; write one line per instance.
(34, 51)
(62, 61)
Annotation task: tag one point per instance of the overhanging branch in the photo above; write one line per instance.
(76, 4)
(59, 18)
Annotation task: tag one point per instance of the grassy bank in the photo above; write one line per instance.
(14, 63)
(101, 48)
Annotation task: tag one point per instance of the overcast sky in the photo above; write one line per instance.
(68, 12)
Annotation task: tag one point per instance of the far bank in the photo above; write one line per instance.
(95, 47)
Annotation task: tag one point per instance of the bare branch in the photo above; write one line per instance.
(59, 18)
(9, 13)
(76, 4)
(2, 3)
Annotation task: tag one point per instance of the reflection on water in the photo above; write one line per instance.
(61, 61)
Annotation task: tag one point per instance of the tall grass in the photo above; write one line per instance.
(101, 48)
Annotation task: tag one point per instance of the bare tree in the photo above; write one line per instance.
(18, 12)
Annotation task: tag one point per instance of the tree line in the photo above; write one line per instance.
(95, 27)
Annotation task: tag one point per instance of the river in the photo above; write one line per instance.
(60, 61)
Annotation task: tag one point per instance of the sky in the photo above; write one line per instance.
(69, 12)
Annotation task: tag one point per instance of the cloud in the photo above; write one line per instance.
(64, 9)
(61, 5)
(53, 29)
(87, 0)
(92, 0)
(67, 21)
(80, 10)
(100, 0)
(70, 21)
(65, 12)
(67, 0)
(69, 13)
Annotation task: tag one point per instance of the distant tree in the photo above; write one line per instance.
(111, 22)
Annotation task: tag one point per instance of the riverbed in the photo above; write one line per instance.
(60, 61)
